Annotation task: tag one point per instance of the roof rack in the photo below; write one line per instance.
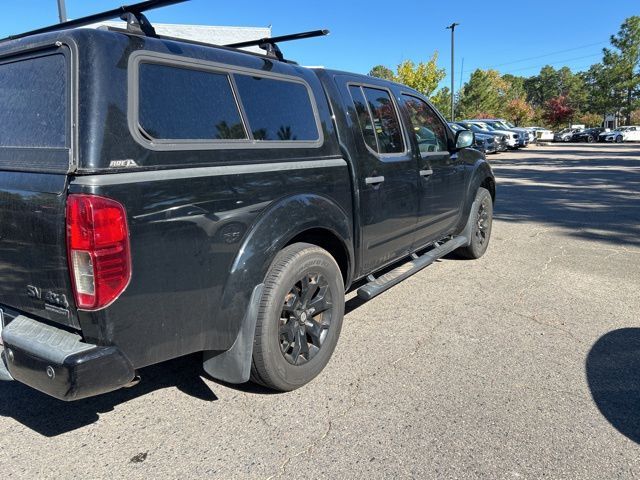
(138, 24)
(269, 44)
(132, 14)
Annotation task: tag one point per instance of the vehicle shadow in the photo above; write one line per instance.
(51, 417)
(613, 374)
(591, 192)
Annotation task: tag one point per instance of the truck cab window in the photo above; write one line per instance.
(363, 117)
(385, 120)
(428, 129)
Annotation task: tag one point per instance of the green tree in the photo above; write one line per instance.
(442, 101)
(381, 71)
(485, 93)
(603, 92)
(423, 77)
(623, 62)
(515, 88)
(551, 83)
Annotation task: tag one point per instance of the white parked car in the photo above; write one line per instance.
(542, 134)
(629, 133)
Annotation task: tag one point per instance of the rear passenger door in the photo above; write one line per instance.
(387, 173)
(441, 172)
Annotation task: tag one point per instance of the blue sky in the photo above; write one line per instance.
(511, 36)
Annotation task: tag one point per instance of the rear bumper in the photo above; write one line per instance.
(59, 363)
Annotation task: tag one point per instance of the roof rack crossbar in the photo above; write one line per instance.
(131, 13)
(269, 44)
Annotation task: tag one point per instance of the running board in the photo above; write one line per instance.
(384, 282)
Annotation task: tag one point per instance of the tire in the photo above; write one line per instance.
(618, 139)
(294, 339)
(482, 211)
(589, 139)
(566, 139)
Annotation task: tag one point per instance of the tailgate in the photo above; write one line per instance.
(34, 276)
(35, 141)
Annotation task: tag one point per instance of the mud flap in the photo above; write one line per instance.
(468, 228)
(234, 365)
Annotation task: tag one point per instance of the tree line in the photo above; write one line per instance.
(553, 97)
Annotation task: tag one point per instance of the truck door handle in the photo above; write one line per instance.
(373, 180)
(426, 173)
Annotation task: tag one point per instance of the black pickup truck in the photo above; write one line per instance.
(160, 197)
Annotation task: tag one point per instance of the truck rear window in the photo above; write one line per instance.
(33, 102)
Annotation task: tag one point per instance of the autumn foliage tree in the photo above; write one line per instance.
(558, 110)
(519, 111)
(422, 76)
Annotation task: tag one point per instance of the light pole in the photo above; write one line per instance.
(452, 27)
(62, 11)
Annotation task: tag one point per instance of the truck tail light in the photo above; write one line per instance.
(97, 249)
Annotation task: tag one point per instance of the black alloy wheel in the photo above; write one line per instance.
(305, 318)
(481, 219)
(299, 318)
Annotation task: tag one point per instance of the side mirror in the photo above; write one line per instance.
(464, 139)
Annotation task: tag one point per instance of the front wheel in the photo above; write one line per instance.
(299, 319)
(482, 220)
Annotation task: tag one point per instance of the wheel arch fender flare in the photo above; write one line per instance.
(481, 173)
(273, 230)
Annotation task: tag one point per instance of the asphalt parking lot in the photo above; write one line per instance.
(524, 364)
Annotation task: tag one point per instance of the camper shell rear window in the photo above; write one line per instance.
(34, 111)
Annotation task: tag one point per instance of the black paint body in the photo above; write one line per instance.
(202, 241)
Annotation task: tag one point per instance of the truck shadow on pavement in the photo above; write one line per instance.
(590, 192)
(51, 417)
(613, 375)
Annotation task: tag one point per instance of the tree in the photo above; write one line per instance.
(423, 77)
(519, 111)
(484, 93)
(558, 111)
(590, 119)
(603, 92)
(624, 62)
(442, 100)
(515, 86)
(380, 71)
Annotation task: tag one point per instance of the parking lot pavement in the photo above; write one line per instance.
(523, 364)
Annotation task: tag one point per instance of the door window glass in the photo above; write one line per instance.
(428, 129)
(364, 119)
(385, 120)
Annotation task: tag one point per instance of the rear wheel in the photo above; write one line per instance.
(590, 139)
(618, 139)
(299, 319)
(482, 219)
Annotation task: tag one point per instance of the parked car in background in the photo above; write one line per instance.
(589, 135)
(524, 135)
(542, 134)
(566, 134)
(629, 133)
(514, 139)
(503, 140)
(483, 142)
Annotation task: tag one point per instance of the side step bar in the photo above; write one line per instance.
(384, 282)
